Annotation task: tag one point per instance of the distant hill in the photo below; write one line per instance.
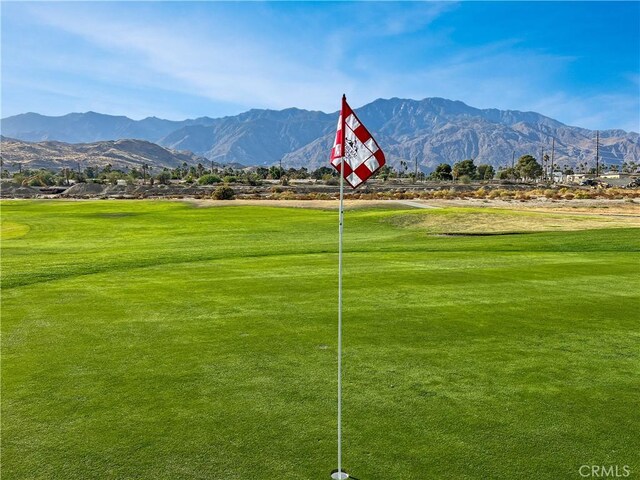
(120, 154)
(433, 130)
(256, 137)
(89, 127)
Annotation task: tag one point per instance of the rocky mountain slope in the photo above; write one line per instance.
(433, 130)
(121, 154)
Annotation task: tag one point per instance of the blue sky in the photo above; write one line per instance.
(578, 62)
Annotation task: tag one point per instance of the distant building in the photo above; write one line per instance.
(579, 177)
(615, 175)
(615, 179)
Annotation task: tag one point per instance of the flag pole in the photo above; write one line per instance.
(365, 159)
(341, 228)
(339, 475)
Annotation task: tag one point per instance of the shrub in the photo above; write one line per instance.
(164, 178)
(35, 182)
(466, 179)
(287, 196)
(330, 180)
(582, 195)
(224, 192)
(439, 194)
(19, 179)
(254, 180)
(209, 179)
(480, 193)
(499, 193)
(507, 194)
(229, 179)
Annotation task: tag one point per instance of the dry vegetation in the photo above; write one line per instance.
(565, 193)
(497, 221)
(483, 193)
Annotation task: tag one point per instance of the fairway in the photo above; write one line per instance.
(161, 340)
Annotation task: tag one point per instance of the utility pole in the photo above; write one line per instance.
(513, 160)
(597, 153)
(543, 162)
(415, 179)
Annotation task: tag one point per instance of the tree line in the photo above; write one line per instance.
(147, 174)
(527, 168)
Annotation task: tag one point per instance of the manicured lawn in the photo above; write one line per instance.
(157, 340)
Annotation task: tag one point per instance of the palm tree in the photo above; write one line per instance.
(145, 168)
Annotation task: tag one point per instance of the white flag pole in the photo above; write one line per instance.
(340, 324)
(341, 228)
(339, 474)
(366, 158)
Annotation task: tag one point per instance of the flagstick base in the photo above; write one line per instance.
(336, 475)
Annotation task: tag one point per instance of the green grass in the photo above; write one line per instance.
(156, 340)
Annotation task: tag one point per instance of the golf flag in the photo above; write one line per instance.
(355, 145)
(356, 156)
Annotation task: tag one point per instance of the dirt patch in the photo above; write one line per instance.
(84, 190)
(590, 207)
(474, 234)
(507, 222)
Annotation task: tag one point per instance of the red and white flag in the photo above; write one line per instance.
(355, 148)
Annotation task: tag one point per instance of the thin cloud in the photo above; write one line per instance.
(297, 55)
(218, 67)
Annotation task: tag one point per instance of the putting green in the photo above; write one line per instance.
(157, 340)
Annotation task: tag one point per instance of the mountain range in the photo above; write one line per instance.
(122, 154)
(432, 130)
